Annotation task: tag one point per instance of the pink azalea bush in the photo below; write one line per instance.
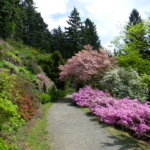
(85, 96)
(130, 113)
(87, 65)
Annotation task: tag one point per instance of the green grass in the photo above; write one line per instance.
(124, 137)
(34, 136)
(38, 135)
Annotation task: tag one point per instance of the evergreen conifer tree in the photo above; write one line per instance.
(135, 19)
(58, 41)
(91, 34)
(73, 34)
(8, 17)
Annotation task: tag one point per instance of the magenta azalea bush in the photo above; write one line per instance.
(86, 95)
(130, 113)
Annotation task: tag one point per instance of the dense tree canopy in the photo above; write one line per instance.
(91, 34)
(132, 54)
(73, 33)
(8, 15)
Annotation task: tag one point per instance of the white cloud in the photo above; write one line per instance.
(105, 14)
(48, 7)
(54, 23)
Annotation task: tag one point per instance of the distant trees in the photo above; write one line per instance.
(132, 44)
(91, 34)
(73, 33)
(35, 32)
(58, 41)
(135, 19)
(8, 16)
(20, 20)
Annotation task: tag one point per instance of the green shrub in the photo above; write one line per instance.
(55, 95)
(9, 116)
(3, 146)
(45, 98)
(123, 83)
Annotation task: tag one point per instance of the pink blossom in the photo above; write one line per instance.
(131, 113)
(87, 65)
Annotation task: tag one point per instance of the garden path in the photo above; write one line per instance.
(72, 129)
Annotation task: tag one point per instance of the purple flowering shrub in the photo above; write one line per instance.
(130, 113)
(85, 96)
(44, 79)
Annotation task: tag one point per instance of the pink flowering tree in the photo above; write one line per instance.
(87, 66)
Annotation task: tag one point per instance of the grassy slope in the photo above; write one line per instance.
(34, 136)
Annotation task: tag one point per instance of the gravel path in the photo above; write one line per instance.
(72, 129)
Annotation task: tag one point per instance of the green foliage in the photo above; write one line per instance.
(3, 146)
(55, 95)
(50, 64)
(145, 79)
(133, 54)
(35, 31)
(8, 17)
(9, 116)
(52, 96)
(58, 43)
(12, 56)
(124, 83)
(26, 100)
(91, 34)
(73, 34)
(45, 98)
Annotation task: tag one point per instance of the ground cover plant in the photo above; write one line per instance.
(130, 114)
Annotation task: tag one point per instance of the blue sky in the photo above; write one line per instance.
(106, 14)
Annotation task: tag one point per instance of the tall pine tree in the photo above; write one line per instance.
(74, 34)
(8, 17)
(58, 41)
(36, 33)
(135, 19)
(91, 34)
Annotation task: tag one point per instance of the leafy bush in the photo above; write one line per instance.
(125, 112)
(3, 146)
(25, 99)
(122, 83)
(55, 95)
(50, 64)
(18, 91)
(45, 98)
(145, 80)
(9, 116)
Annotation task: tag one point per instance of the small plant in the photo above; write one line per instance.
(45, 98)
(3, 146)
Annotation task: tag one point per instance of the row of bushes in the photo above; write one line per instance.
(131, 114)
(19, 102)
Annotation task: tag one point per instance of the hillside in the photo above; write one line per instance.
(24, 86)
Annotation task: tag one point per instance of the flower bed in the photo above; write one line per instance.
(130, 113)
